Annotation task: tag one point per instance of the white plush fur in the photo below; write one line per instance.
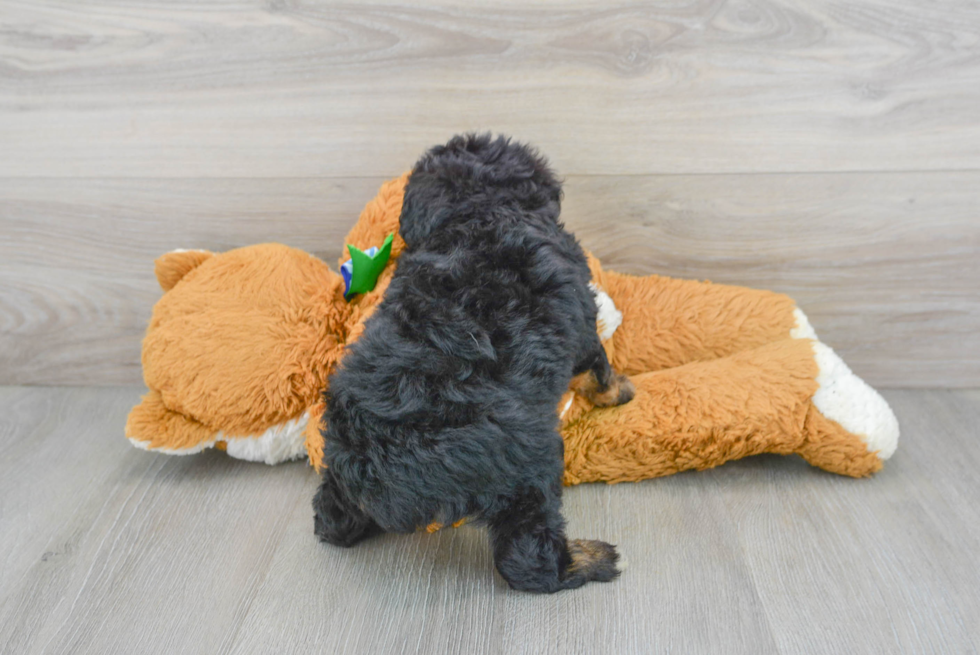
(609, 318)
(280, 443)
(802, 329)
(607, 321)
(847, 399)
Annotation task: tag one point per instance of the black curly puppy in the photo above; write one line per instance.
(445, 408)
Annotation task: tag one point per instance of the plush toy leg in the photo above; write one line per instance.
(844, 405)
(668, 322)
(703, 414)
(151, 426)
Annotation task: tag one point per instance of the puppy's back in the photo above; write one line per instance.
(448, 399)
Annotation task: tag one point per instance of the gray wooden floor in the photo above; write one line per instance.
(106, 548)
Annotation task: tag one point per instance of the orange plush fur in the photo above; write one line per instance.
(242, 344)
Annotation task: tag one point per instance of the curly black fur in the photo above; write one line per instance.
(445, 408)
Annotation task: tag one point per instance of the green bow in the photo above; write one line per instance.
(365, 268)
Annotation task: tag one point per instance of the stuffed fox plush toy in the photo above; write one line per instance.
(241, 346)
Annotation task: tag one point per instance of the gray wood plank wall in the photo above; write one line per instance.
(828, 150)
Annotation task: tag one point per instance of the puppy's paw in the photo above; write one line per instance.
(620, 389)
(592, 561)
(335, 524)
(625, 389)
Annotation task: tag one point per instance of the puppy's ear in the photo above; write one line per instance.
(424, 208)
(173, 266)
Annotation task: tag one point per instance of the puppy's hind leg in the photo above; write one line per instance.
(336, 520)
(596, 380)
(531, 552)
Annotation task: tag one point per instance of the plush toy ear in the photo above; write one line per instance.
(173, 266)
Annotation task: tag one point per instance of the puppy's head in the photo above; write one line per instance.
(471, 172)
